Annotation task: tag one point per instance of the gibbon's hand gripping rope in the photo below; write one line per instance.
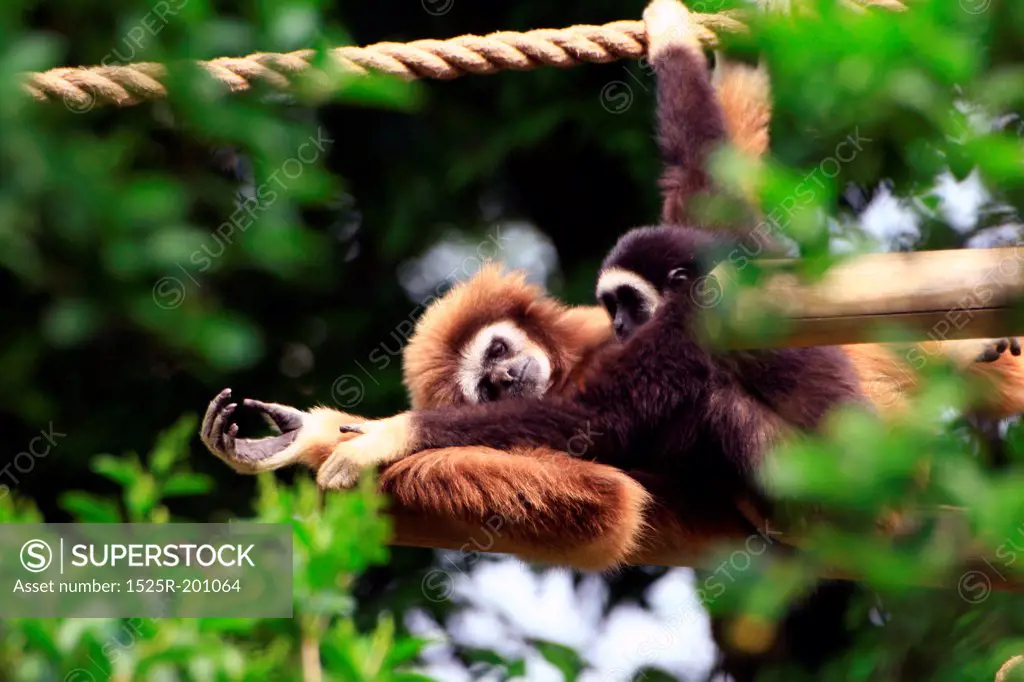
(83, 87)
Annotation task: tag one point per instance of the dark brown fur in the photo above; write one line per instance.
(690, 126)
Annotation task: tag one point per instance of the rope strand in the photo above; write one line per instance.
(82, 88)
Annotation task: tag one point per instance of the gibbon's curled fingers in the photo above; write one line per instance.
(248, 455)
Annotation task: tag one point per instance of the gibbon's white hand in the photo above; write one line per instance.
(381, 441)
(668, 23)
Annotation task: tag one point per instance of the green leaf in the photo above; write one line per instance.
(516, 669)
(172, 445)
(229, 342)
(71, 321)
(124, 471)
(411, 677)
(179, 485)
(485, 656)
(88, 508)
(405, 650)
(140, 498)
(1015, 440)
(562, 657)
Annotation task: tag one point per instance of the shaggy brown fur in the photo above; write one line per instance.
(745, 96)
(545, 505)
(570, 336)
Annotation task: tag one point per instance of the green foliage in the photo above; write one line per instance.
(335, 539)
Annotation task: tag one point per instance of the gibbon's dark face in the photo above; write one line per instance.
(502, 361)
(647, 265)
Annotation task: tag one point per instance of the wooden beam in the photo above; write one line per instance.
(936, 295)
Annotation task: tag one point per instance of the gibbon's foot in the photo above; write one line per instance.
(380, 441)
(250, 455)
(668, 24)
(997, 347)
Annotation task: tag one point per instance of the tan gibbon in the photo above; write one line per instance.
(496, 337)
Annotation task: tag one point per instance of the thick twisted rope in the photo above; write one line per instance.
(81, 88)
(442, 59)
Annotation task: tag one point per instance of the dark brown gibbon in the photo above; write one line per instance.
(509, 339)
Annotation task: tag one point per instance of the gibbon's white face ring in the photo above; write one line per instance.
(612, 279)
(472, 366)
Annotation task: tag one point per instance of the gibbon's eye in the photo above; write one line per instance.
(629, 299)
(497, 349)
(677, 275)
(608, 301)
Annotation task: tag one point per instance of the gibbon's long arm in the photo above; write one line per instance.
(690, 121)
(541, 505)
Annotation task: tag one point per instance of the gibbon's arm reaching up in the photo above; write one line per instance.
(690, 124)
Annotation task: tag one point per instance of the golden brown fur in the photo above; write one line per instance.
(569, 335)
(889, 378)
(546, 505)
(746, 105)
